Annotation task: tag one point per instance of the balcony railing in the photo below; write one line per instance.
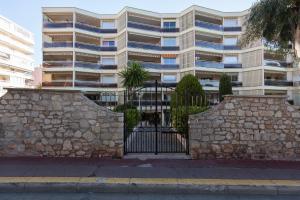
(236, 84)
(58, 83)
(211, 45)
(232, 29)
(96, 66)
(276, 63)
(231, 47)
(58, 24)
(170, 30)
(232, 65)
(58, 64)
(94, 47)
(284, 83)
(81, 83)
(57, 44)
(151, 65)
(143, 26)
(143, 45)
(208, 25)
(209, 83)
(94, 28)
(209, 64)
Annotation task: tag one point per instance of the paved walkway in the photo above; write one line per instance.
(134, 168)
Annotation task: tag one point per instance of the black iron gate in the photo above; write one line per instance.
(156, 119)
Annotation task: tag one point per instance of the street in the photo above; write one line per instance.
(125, 196)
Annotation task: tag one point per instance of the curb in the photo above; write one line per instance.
(149, 185)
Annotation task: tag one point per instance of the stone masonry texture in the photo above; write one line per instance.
(247, 127)
(57, 124)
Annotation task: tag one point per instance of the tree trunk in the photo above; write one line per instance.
(297, 42)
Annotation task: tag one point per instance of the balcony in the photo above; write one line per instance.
(208, 25)
(209, 64)
(276, 63)
(232, 29)
(169, 30)
(57, 64)
(94, 28)
(209, 83)
(143, 26)
(57, 44)
(231, 47)
(94, 47)
(283, 83)
(210, 45)
(159, 66)
(236, 84)
(157, 47)
(232, 65)
(58, 24)
(94, 66)
(80, 83)
(58, 83)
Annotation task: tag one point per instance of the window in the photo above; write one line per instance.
(169, 61)
(233, 77)
(108, 79)
(109, 43)
(108, 24)
(108, 60)
(169, 78)
(230, 59)
(230, 41)
(230, 22)
(169, 41)
(169, 24)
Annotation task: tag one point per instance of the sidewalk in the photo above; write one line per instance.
(106, 175)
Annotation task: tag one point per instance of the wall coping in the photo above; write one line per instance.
(257, 96)
(42, 90)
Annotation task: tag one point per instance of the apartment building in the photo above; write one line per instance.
(16, 55)
(85, 51)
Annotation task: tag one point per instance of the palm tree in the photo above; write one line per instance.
(134, 75)
(278, 21)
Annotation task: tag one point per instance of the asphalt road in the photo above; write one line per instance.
(125, 196)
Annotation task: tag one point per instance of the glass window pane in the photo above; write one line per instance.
(169, 61)
(169, 42)
(169, 24)
(230, 41)
(231, 59)
(108, 61)
(108, 43)
(169, 78)
(230, 22)
(108, 25)
(108, 79)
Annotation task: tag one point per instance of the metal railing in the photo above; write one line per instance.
(58, 24)
(94, 47)
(96, 66)
(208, 25)
(211, 45)
(144, 45)
(53, 64)
(78, 25)
(209, 64)
(143, 26)
(277, 63)
(57, 44)
(82, 83)
(284, 83)
(152, 65)
(232, 29)
(232, 65)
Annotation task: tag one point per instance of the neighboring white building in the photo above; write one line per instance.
(84, 50)
(16, 55)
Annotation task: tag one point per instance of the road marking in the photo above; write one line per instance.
(151, 181)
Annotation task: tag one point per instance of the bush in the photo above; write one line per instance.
(181, 116)
(225, 86)
(131, 116)
(188, 92)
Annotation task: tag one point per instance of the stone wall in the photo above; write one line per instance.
(247, 127)
(55, 123)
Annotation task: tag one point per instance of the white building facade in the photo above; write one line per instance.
(16, 55)
(83, 50)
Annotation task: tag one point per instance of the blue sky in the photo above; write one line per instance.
(27, 13)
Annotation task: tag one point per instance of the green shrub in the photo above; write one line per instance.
(225, 86)
(131, 115)
(180, 116)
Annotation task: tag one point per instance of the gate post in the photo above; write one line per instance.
(156, 117)
(124, 125)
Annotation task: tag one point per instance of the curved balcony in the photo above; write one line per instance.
(209, 64)
(159, 66)
(58, 24)
(94, 66)
(210, 45)
(282, 83)
(58, 83)
(57, 64)
(57, 44)
(157, 47)
(80, 83)
(208, 25)
(93, 47)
